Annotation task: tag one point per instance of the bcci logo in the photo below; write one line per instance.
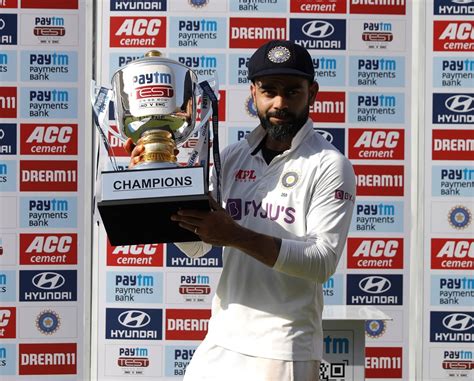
(289, 179)
(279, 54)
(375, 328)
(459, 217)
(48, 322)
(250, 107)
(198, 3)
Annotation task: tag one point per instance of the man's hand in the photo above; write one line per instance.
(215, 227)
(134, 152)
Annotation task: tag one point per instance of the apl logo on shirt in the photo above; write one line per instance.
(318, 6)
(380, 180)
(457, 108)
(47, 358)
(47, 175)
(50, 249)
(8, 102)
(187, 324)
(383, 362)
(375, 290)
(138, 5)
(379, 7)
(254, 32)
(451, 145)
(453, 36)
(376, 144)
(452, 254)
(48, 139)
(129, 32)
(327, 34)
(133, 324)
(8, 29)
(7, 322)
(453, 7)
(375, 253)
(451, 327)
(48, 285)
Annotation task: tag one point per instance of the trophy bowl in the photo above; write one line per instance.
(155, 105)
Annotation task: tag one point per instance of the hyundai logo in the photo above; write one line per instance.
(375, 284)
(48, 280)
(318, 29)
(458, 322)
(326, 135)
(134, 319)
(460, 103)
(462, 1)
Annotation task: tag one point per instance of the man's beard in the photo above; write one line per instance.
(286, 130)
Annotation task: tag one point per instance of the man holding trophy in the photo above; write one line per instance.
(283, 230)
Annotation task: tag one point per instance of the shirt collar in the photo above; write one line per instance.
(255, 137)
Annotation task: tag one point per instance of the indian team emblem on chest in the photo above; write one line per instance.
(290, 179)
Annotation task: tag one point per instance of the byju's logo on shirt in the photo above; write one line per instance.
(239, 208)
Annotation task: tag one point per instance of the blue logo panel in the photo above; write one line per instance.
(330, 71)
(49, 66)
(134, 287)
(7, 359)
(133, 324)
(377, 217)
(8, 176)
(138, 6)
(204, 65)
(7, 139)
(453, 8)
(7, 286)
(176, 258)
(48, 285)
(238, 69)
(375, 108)
(275, 6)
(177, 358)
(454, 72)
(8, 66)
(48, 212)
(370, 289)
(377, 71)
(455, 108)
(54, 103)
(452, 290)
(9, 30)
(452, 327)
(186, 32)
(453, 181)
(119, 60)
(335, 136)
(333, 290)
(327, 34)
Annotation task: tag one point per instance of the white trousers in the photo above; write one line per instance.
(213, 363)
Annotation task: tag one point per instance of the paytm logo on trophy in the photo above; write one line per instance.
(155, 102)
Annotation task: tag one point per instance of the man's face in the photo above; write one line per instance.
(282, 103)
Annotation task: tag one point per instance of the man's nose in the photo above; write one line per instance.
(280, 102)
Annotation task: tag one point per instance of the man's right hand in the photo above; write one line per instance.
(134, 151)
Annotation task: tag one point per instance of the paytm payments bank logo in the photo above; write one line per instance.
(274, 6)
(455, 72)
(58, 66)
(369, 108)
(452, 290)
(330, 70)
(204, 65)
(453, 181)
(8, 62)
(8, 176)
(377, 71)
(327, 34)
(177, 358)
(7, 359)
(136, 287)
(57, 103)
(451, 327)
(333, 290)
(377, 217)
(48, 212)
(197, 33)
(7, 286)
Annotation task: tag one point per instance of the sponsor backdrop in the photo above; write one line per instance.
(44, 201)
(449, 182)
(154, 302)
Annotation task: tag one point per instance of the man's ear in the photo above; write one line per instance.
(313, 90)
(253, 91)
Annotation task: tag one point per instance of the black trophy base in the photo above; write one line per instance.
(143, 221)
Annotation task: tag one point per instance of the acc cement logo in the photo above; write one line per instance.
(375, 284)
(134, 319)
(459, 217)
(48, 280)
(318, 29)
(460, 103)
(48, 322)
(458, 322)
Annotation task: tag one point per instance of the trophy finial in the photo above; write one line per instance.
(153, 53)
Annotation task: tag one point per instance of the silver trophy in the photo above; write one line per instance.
(155, 101)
